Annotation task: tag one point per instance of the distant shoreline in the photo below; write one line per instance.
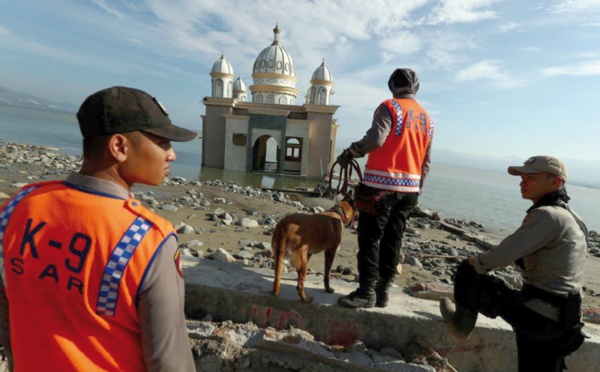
(583, 173)
(39, 108)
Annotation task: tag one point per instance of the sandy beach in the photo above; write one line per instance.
(208, 216)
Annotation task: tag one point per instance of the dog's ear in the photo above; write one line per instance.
(349, 199)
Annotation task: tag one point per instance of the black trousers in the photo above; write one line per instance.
(380, 236)
(542, 343)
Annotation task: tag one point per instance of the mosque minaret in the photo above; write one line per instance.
(239, 90)
(320, 86)
(222, 78)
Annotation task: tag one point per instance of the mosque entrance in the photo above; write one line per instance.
(265, 155)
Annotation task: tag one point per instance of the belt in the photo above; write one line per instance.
(550, 305)
(555, 299)
(543, 308)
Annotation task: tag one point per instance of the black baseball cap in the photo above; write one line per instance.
(122, 110)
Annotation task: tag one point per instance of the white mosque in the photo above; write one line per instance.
(235, 130)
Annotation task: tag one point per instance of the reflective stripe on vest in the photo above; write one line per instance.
(398, 110)
(382, 179)
(4, 217)
(113, 272)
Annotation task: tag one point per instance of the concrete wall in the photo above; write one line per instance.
(320, 138)
(235, 157)
(295, 166)
(321, 118)
(213, 131)
(334, 129)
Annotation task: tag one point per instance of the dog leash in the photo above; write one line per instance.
(345, 176)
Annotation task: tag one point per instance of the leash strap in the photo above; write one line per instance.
(345, 175)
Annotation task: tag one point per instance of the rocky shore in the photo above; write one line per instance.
(229, 222)
(226, 221)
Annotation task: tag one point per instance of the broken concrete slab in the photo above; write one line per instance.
(240, 294)
(292, 349)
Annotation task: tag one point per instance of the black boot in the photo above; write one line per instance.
(382, 292)
(461, 320)
(363, 297)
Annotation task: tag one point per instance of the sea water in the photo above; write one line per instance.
(488, 198)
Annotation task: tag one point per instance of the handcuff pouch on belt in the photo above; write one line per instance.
(566, 334)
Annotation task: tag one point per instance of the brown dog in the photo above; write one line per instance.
(300, 235)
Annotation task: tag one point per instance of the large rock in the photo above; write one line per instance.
(219, 212)
(247, 222)
(264, 245)
(412, 260)
(183, 228)
(222, 256)
(432, 290)
(244, 255)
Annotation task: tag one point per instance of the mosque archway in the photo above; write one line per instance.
(265, 154)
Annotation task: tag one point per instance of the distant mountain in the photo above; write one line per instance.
(488, 163)
(581, 172)
(8, 97)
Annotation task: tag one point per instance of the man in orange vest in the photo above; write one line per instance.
(90, 279)
(399, 146)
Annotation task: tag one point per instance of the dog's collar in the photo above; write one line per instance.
(338, 209)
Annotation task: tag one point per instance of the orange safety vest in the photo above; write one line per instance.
(73, 266)
(396, 165)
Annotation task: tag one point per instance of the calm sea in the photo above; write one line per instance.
(491, 199)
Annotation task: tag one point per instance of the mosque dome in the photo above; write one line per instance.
(238, 85)
(274, 75)
(274, 59)
(322, 73)
(223, 66)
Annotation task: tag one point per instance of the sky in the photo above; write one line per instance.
(498, 77)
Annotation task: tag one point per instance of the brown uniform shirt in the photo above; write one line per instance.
(553, 244)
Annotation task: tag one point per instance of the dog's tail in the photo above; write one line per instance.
(278, 245)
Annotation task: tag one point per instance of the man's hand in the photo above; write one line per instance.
(345, 158)
(471, 260)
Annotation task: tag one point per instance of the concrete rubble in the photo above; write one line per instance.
(246, 347)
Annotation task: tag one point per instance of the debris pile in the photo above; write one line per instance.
(226, 346)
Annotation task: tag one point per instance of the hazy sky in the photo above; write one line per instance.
(499, 78)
